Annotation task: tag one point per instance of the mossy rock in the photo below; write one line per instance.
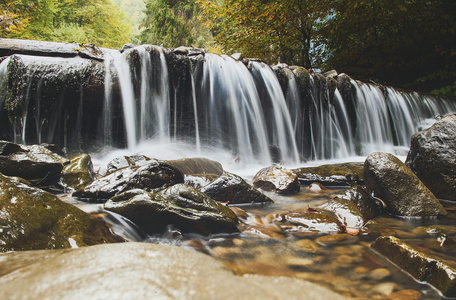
(33, 219)
(197, 166)
(423, 267)
(398, 187)
(277, 179)
(332, 174)
(180, 206)
(313, 221)
(34, 163)
(150, 177)
(79, 172)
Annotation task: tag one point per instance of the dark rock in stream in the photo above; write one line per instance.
(79, 172)
(311, 222)
(394, 183)
(126, 161)
(233, 189)
(354, 208)
(344, 174)
(34, 163)
(423, 267)
(152, 176)
(432, 157)
(32, 219)
(180, 206)
(277, 179)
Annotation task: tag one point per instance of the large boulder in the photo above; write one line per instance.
(180, 206)
(139, 271)
(277, 179)
(79, 172)
(391, 181)
(232, 189)
(149, 177)
(332, 174)
(197, 166)
(126, 161)
(424, 267)
(33, 163)
(432, 157)
(32, 219)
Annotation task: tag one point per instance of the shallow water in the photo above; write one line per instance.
(342, 262)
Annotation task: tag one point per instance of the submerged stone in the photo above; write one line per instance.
(398, 187)
(32, 219)
(33, 163)
(277, 179)
(180, 206)
(333, 174)
(152, 176)
(79, 172)
(423, 267)
(432, 157)
(233, 189)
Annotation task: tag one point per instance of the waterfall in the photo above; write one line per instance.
(148, 95)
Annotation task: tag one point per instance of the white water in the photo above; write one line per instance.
(227, 111)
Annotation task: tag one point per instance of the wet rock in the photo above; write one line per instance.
(278, 179)
(199, 181)
(423, 267)
(264, 233)
(354, 208)
(307, 246)
(395, 184)
(126, 161)
(379, 274)
(334, 174)
(431, 157)
(33, 219)
(152, 176)
(197, 165)
(79, 172)
(33, 163)
(316, 187)
(313, 221)
(233, 189)
(336, 239)
(180, 206)
(139, 270)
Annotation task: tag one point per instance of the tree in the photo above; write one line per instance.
(98, 21)
(173, 23)
(274, 31)
(404, 43)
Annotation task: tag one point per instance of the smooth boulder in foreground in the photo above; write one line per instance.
(432, 157)
(391, 181)
(139, 271)
(277, 179)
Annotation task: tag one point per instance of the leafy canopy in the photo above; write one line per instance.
(97, 21)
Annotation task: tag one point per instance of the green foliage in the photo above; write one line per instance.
(404, 43)
(134, 12)
(99, 21)
(273, 31)
(173, 23)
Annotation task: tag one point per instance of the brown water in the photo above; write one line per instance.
(340, 261)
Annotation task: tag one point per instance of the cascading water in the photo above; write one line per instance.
(253, 113)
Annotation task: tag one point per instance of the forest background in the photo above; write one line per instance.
(408, 44)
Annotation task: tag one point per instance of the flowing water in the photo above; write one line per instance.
(246, 117)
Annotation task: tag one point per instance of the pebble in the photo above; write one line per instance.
(386, 288)
(343, 238)
(379, 274)
(405, 295)
(307, 246)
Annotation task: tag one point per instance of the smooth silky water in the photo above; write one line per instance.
(238, 115)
